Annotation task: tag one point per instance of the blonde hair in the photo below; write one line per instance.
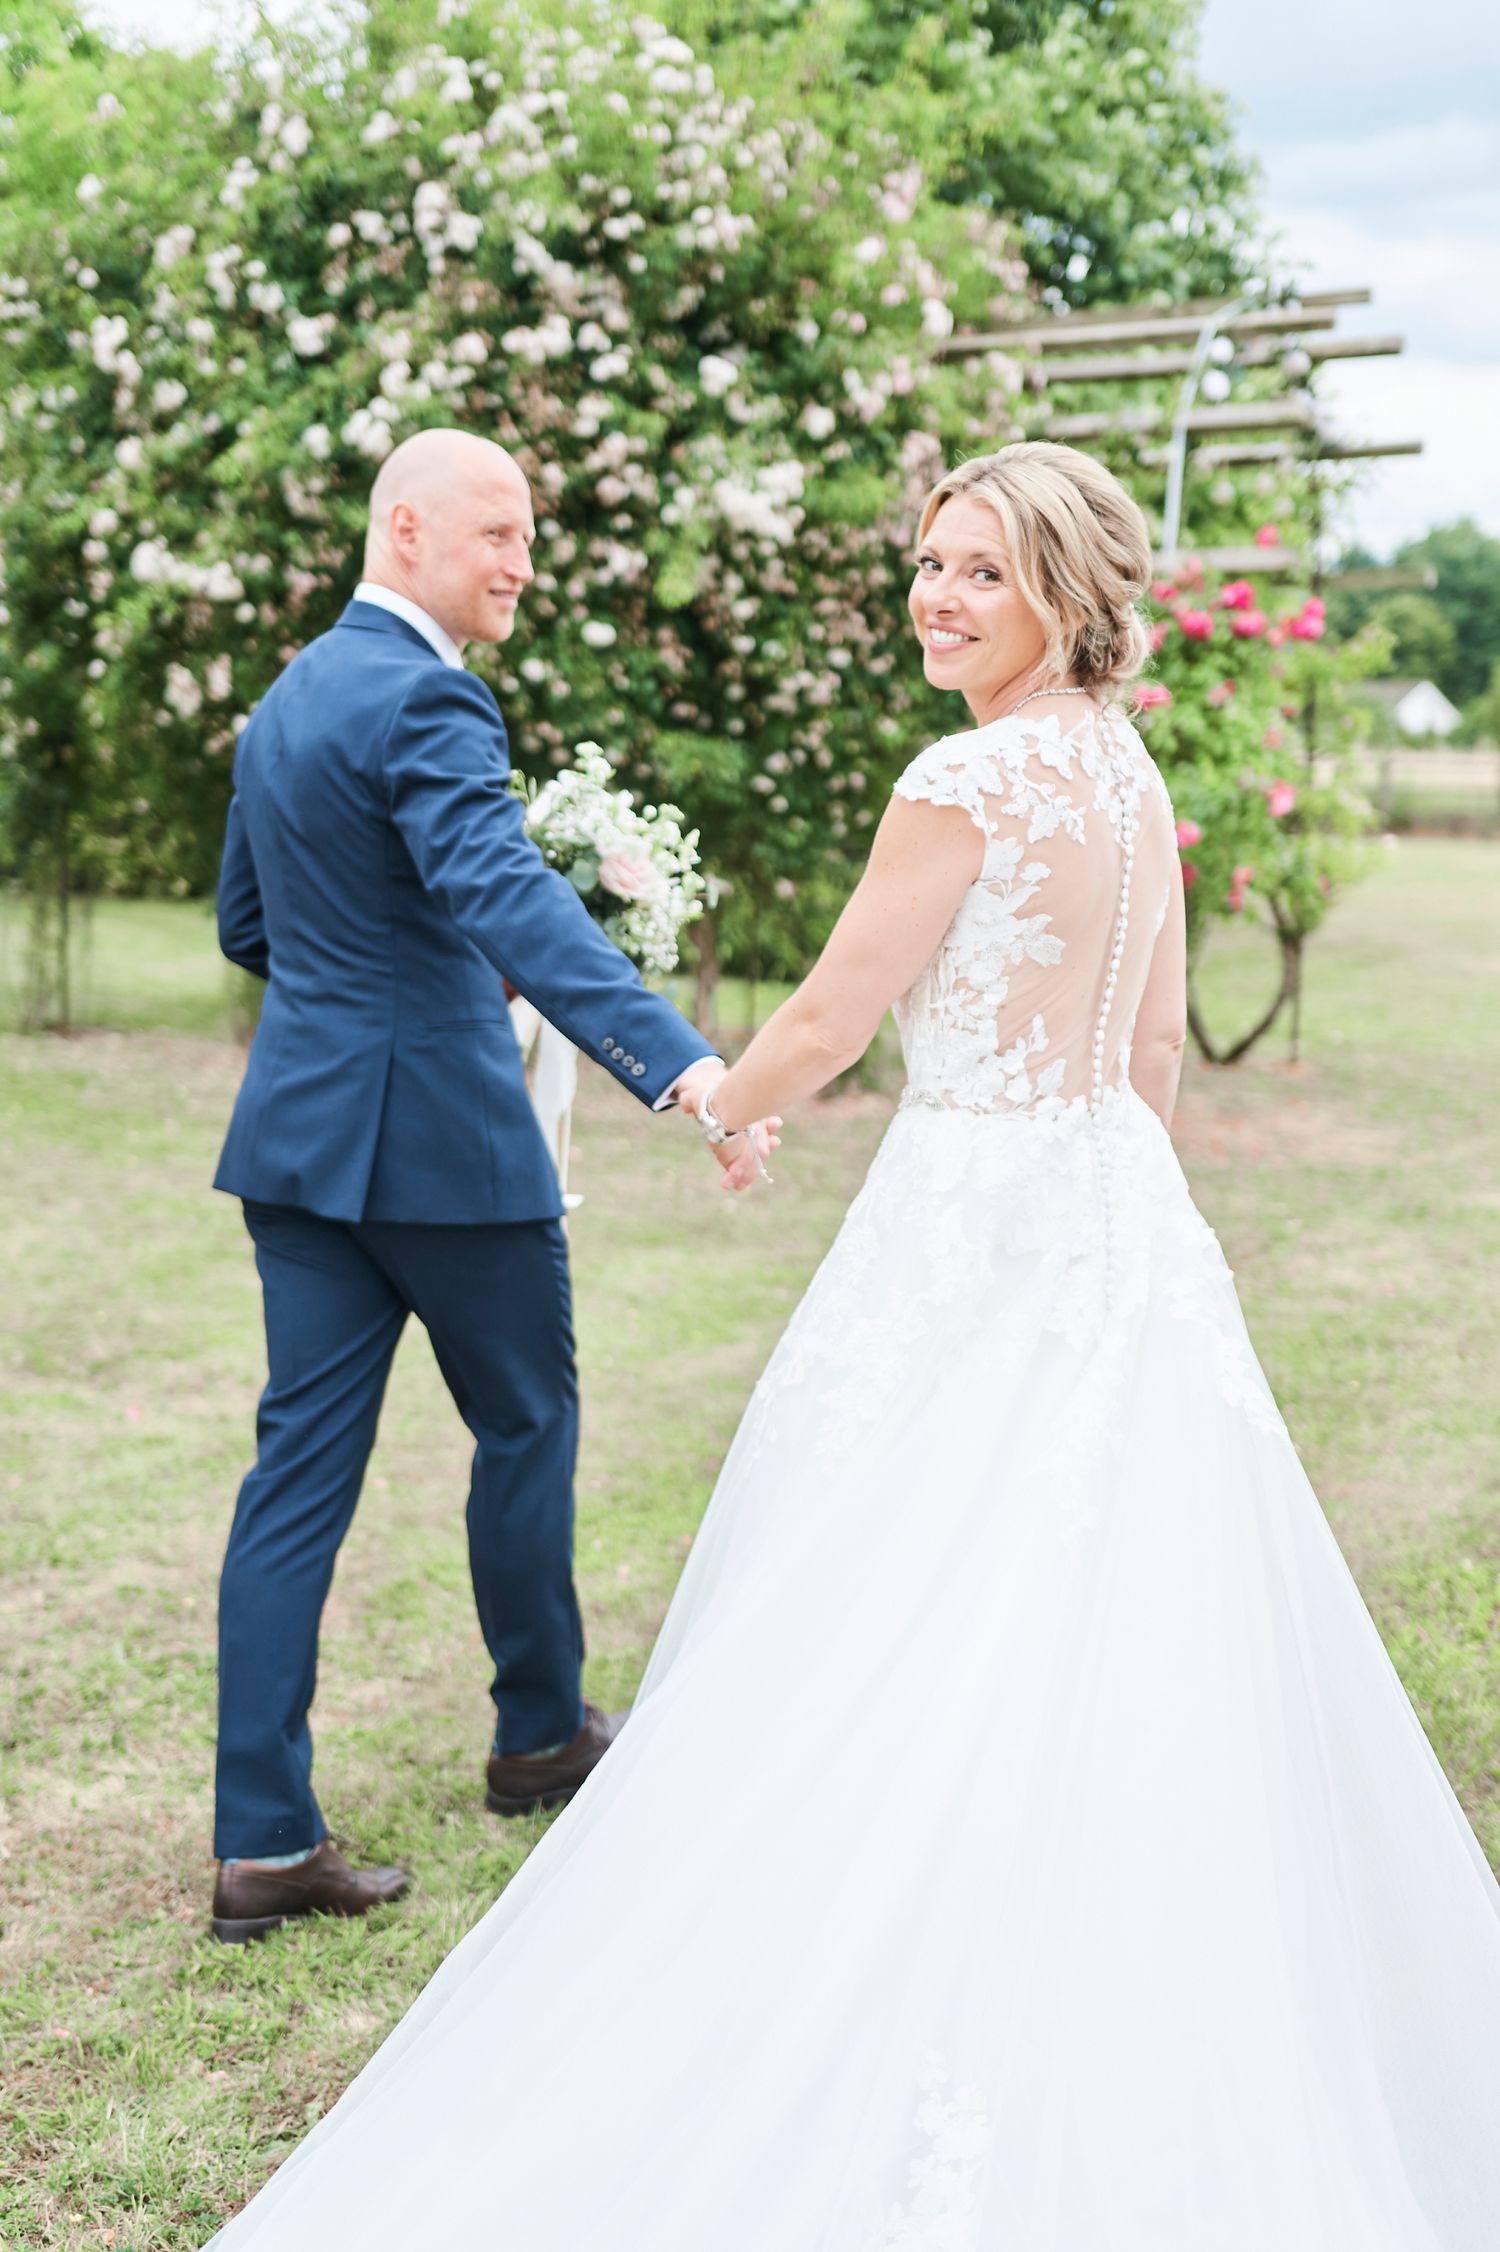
(1080, 553)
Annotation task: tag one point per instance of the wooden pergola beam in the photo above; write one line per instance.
(1379, 579)
(1266, 414)
(1278, 450)
(1148, 328)
(1122, 367)
(1372, 449)
(1194, 310)
(1275, 562)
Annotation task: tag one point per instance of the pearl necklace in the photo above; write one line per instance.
(1032, 694)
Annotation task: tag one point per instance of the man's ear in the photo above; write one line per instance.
(405, 529)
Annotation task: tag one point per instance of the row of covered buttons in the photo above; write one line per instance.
(636, 1070)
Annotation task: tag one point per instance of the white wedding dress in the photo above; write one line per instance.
(1021, 1842)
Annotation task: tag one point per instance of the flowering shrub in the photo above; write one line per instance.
(705, 332)
(1248, 725)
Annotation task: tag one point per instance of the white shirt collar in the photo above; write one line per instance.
(386, 598)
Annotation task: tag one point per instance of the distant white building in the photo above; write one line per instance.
(1421, 710)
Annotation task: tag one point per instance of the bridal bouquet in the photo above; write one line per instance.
(635, 869)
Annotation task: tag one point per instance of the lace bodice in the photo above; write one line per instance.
(1029, 1002)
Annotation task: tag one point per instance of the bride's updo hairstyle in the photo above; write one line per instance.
(1080, 553)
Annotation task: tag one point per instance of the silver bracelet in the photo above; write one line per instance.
(716, 1133)
(712, 1126)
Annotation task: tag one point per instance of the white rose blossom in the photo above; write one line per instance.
(173, 246)
(183, 692)
(308, 334)
(717, 375)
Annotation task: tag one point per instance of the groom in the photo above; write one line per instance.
(377, 875)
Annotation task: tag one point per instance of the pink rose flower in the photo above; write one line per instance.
(1276, 636)
(1162, 590)
(1198, 625)
(1280, 798)
(1237, 594)
(1189, 875)
(1271, 740)
(1268, 535)
(1158, 633)
(629, 875)
(1150, 695)
(1220, 695)
(1308, 625)
(1248, 623)
(1191, 573)
(1189, 833)
(1242, 877)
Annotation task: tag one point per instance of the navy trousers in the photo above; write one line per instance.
(495, 1300)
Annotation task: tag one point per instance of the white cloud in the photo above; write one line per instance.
(189, 24)
(1380, 146)
(1454, 408)
(1339, 67)
(1436, 283)
(1416, 163)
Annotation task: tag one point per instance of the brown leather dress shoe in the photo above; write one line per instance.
(250, 1900)
(529, 1783)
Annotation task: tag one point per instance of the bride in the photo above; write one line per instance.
(1021, 1841)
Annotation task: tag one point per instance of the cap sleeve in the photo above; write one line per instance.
(947, 773)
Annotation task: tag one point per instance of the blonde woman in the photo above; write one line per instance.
(1021, 1842)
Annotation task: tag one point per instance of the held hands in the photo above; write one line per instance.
(741, 1151)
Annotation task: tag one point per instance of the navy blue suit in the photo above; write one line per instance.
(377, 874)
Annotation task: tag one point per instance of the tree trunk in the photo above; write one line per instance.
(706, 976)
(49, 950)
(1289, 944)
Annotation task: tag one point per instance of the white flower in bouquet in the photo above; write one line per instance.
(635, 868)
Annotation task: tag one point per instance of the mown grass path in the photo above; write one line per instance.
(150, 2079)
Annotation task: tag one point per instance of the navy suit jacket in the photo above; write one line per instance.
(377, 874)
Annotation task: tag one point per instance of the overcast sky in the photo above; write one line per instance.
(1378, 129)
(1377, 125)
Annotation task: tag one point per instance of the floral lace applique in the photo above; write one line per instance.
(954, 2134)
(999, 1021)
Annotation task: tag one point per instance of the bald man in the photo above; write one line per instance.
(377, 875)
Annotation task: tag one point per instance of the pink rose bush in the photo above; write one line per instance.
(1259, 841)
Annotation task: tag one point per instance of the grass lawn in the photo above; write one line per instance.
(152, 2079)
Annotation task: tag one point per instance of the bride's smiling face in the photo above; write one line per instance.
(978, 635)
